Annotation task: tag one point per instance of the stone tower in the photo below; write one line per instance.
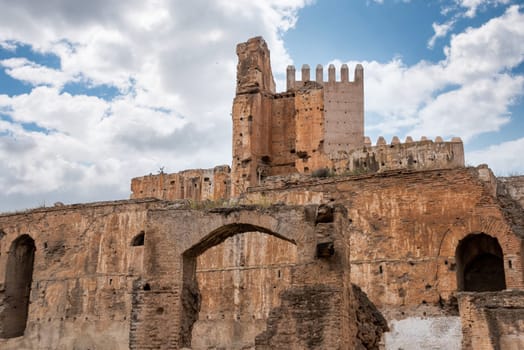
(299, 130)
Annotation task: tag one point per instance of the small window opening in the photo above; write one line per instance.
(138, 240)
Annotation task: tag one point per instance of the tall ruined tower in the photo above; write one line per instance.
(300, 130)
(251, 114)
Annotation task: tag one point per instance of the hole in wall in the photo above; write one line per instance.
(138, 240)
(18, 279)
(480, 265)
(213, 310)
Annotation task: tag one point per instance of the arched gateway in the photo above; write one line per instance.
(18, 279)
(167, 302)
(480, 264)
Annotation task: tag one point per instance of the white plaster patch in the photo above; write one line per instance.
(416, 333)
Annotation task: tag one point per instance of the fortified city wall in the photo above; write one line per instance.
(313, 239)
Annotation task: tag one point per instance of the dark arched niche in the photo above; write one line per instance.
(191, 297)
(138, 240)
(480, 264)
(19, 275)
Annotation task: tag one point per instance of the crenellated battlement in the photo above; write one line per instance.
(314, 126)
(425, 154)
(292, 83)
(395, 140)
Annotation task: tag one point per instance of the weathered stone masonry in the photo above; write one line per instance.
(313, 239)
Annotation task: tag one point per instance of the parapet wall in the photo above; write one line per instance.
(195, 184)
(293, 84)
(342, 105)
(412, 155)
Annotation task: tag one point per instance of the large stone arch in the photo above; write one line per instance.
(240, 281)
(480, 264)
(175, 238)
(493, 225)
(18, 279)
(191, 291)
(164, 299)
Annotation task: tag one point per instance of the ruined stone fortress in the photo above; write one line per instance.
(313, 239)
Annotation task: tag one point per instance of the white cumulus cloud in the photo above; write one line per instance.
(172, 66)
(506, 158)
(466, 94)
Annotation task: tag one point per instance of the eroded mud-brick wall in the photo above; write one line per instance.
(406, 228)
(173, 298)
(86, 258)
(492, 320)
(295, 131)
(195, 185)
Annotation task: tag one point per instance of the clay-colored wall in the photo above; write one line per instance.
(310, 130)
(344, 112)
(492, 321)
(420, 155)
(83, 271)
(342, 105)
(283, 134)
(196, 185)
(405, 228)
(167, 297)
(251, 139)
(240, 281)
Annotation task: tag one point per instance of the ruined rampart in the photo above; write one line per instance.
(194, 185)
(315, 239)
(66, 275)
(411, 155)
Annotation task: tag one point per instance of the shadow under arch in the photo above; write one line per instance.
(191, 298)
(480, 264)
(18, 279)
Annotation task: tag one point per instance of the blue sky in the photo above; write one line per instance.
(95, 93)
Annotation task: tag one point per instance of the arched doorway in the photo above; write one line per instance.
(480, 264)
(19, 275)
(239, 272)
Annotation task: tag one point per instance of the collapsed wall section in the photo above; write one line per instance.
(514, 187)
